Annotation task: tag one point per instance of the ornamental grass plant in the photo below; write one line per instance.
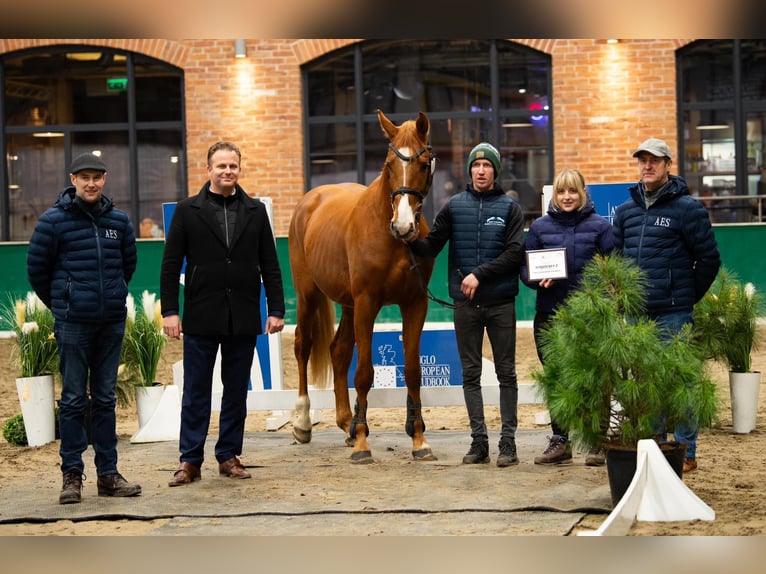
(725, 321)
(142, 346)
(35, 351)
(608, 376)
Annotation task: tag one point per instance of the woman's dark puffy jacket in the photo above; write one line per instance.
(80, 263)
(672, 241)
(583, 233)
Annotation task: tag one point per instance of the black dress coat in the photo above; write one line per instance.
(222, 285)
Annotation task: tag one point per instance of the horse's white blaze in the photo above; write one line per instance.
(404, 218)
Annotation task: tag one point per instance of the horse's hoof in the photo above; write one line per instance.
(362, 457)
(423, 454)
(349, 441)
(301, 435)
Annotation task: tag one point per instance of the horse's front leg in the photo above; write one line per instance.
(412, 329)
(363, 379)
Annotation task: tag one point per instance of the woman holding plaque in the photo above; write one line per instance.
(558, 245)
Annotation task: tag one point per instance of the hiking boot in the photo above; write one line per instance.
(116, 485)
(690, 464)
(595, 457)
(507, 456)
(477, 454)
(71, 492)
(558, 451)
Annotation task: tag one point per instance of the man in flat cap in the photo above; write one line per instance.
(668, 234)
(81, 257)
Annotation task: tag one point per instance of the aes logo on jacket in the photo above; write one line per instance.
(111, 234)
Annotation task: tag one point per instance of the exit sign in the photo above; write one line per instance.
(116, 84)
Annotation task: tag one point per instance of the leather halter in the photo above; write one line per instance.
(404, 190)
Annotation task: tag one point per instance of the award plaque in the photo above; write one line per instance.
(547, 264)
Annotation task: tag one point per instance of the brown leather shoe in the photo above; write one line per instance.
(71, 492)
(116, 485)
(186, 474)
(690, 464)
(233, 469)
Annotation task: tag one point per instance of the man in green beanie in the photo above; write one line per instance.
(485, 228)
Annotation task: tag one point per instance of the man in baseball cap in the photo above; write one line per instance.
(654, 146)
(668, 234)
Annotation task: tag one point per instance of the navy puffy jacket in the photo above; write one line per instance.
(486, 234)
(672, 241)
(80, 264)
(584, 233)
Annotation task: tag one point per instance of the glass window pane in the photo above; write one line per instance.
(158, 91)
(706, 72)
(524, 77)
(36, 176)
(65, 87)
(160, 178)
(331, 86)
(407, 77)
(753, 54)
(332, 153)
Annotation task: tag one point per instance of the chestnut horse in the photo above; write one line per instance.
(348, 245)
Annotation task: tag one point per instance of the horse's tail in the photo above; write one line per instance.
(323, 331)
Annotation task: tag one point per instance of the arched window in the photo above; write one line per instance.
(472, 91)
(722, 131)
(58, 102)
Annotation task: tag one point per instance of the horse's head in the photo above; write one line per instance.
(409, 171)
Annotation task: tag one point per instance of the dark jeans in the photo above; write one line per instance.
(670, 324)
(199, 360)
(89, 356)
(540, 322)
(500, 324)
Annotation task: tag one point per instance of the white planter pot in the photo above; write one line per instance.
(147, 399)
(36, 395)
(744, 389)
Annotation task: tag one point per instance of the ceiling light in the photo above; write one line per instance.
(713, 126)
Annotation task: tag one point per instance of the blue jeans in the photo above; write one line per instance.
(500, 324)
(88, 352)
(670, 324)
(199, 360)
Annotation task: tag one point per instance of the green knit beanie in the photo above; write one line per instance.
(485, 151)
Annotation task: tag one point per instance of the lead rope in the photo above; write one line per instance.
(416, 267)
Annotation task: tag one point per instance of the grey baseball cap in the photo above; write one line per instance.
(656, 147)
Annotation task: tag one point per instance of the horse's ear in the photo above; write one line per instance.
(389, 129)
(422, 124)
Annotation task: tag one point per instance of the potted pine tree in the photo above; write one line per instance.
(725, 326)
(609, 377)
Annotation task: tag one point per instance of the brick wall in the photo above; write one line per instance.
(607, 99)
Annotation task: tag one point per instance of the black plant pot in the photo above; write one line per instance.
(621, 465)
